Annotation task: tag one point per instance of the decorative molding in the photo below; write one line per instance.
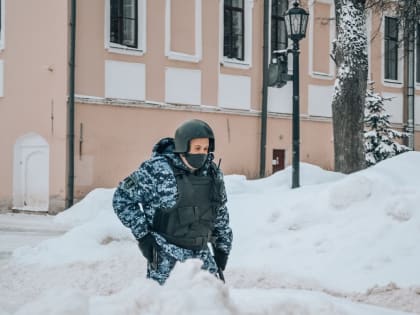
(312, 73)
(174, 55)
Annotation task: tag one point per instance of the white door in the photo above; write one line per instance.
(31, 174)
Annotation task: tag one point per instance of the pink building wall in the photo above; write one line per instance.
(35, 88)
(114, 135)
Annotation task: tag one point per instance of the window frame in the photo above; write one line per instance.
(140, 36)
(232, 9)
(120, 20)
(275, 20)
(388, 40)
(248, 38)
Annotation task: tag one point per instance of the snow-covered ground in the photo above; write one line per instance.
(340, 244)
(23, 229)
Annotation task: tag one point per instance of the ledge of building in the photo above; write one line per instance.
(83, 99)
(162, 106)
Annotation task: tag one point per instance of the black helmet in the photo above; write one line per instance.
(192, 129)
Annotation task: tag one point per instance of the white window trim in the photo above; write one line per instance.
(331, 69)
(175, 55)
(234, 63)
(141, 32)
(3, 24)
(387, 82)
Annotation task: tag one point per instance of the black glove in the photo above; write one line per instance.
(147, 244)
(221, 258)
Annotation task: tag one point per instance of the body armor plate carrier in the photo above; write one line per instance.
(189, 224)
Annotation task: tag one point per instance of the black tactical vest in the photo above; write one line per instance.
(189, 224)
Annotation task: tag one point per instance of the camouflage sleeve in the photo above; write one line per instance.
(134, 191)
(222, 231)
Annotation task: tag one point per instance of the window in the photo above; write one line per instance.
(234, 30)
(418, 54)
(391, 48)
(278, 26)
(125, 26)
(124, 23)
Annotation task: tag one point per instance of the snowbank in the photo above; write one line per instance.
(340, 234)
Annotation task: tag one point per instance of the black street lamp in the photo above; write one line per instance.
(296, 20)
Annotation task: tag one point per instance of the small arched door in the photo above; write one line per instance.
(31, 173)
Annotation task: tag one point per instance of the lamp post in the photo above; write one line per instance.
(296, 20)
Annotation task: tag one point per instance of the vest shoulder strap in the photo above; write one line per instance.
(177, 170)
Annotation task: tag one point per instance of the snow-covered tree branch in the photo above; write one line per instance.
(380, 139)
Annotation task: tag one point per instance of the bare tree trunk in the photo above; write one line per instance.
(350, 54)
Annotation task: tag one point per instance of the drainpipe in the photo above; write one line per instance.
(264, 91)
(70, 109)
(410, 80)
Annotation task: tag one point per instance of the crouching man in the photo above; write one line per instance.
(175, 203)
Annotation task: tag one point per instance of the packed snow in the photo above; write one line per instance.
(339, 244)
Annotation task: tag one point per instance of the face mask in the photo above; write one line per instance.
(196, 160)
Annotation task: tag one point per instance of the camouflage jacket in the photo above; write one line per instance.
(153, 186)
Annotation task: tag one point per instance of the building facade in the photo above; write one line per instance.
(142, 67)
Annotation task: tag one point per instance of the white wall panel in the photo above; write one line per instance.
(125, 80)
(234, 91)
(394, 107)
(183, 86)
(319, 100)
(280, 99)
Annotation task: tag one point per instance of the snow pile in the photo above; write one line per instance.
(188, 291)
(346, 235)
(95, 234)
(97, 202)
(191, 291)
(55, 301)
(310, 175)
